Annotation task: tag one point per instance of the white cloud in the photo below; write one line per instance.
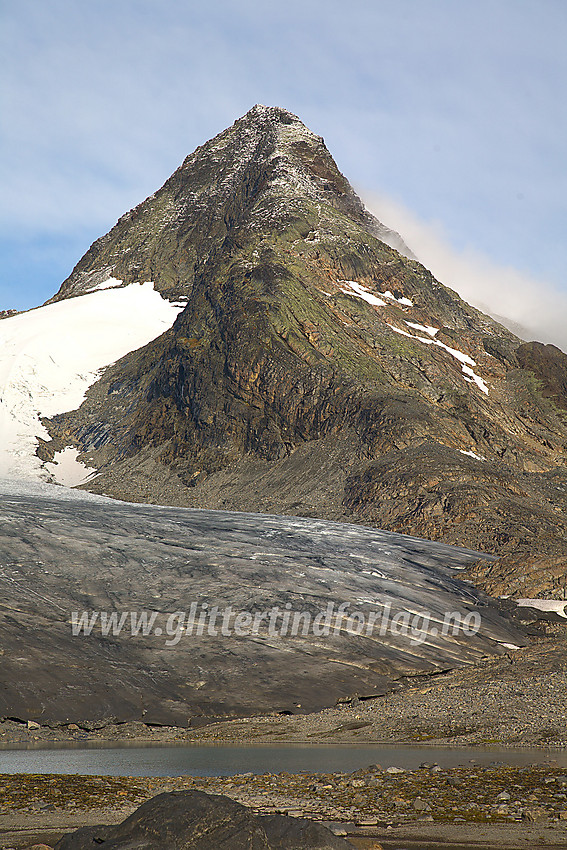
(534, 309)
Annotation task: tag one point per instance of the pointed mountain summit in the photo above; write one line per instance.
(259, 174)
(317, 368)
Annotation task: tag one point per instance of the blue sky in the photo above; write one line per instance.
(448, 116)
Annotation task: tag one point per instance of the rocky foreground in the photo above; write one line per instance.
(519, 699)
(496, 806)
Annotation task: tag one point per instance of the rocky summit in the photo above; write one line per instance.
(318, 369)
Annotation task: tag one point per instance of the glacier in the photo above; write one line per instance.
(51, 355)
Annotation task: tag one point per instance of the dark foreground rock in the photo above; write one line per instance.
(470, 806)
(183, 820)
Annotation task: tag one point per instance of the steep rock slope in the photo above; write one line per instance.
(318, 369)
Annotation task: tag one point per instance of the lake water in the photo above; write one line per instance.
(222, 760)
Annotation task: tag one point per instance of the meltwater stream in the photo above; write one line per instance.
(225, 760)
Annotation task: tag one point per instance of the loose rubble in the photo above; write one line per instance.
(364, 803)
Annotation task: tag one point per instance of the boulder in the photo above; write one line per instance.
(286, 833)
(194, 820)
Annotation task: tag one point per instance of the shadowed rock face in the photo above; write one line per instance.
(183, 820)
(549, 365)
(292, 383)
(79, 553)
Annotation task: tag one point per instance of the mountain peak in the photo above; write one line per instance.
(273, 114)
(314, 369)
(266, 169)
(275, 117)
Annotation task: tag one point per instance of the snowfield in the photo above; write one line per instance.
(50, 356)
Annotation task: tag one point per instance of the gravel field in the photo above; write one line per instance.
(508, 806)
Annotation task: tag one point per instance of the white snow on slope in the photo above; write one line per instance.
(472, 376)
(361, 292)
(106, 284)
(464, 359)
(50, 356)
(428, 329)
(405, 301)
(67, 470)
(472, 454)
(552, 605)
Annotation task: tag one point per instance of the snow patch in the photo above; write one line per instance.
(428, 329)
(464, 359)
(405, 301)
(552, 605)
(67, 470)
(474, 377)
(50, 356)
(361, 292)
(458, 355)
(472, 454)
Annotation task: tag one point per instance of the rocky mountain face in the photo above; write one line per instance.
(318, 369)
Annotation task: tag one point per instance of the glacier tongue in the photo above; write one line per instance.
(50, 356)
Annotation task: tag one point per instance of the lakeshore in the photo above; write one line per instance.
(512, 701)
(494, 807)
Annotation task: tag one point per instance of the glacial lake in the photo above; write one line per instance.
(223, 760)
